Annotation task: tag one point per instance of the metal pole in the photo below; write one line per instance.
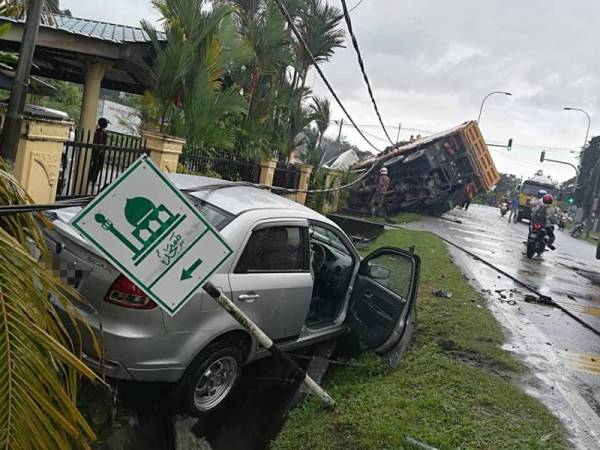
(565, 163)
(340, 132)
(266, 342)
(20, 87)
(398, 134)
(485, 98)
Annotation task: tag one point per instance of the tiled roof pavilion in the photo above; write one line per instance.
(95, 54)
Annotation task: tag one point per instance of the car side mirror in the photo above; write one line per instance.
(598, 251)
(379, 272)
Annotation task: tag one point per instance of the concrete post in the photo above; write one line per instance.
(39, 154)
(332, 180)
(164, 150)
(91, 95)
(267, 171)
(87, 120)
(305, 172)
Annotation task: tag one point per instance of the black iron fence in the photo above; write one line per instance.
(286, 175)
(87, 167)
(222, 164)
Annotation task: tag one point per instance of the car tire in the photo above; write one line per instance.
(210, 379)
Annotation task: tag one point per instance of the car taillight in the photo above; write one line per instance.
(126, 294)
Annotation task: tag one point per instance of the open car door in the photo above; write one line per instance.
(383, 303)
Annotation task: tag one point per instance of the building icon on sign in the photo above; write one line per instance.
(151, 224)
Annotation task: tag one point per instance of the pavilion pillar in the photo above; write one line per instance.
(87, 121)
(91, 95)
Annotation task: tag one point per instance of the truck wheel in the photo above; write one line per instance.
(210, 378)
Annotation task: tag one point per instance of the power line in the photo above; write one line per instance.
(302, 42)
(356, 6)
(361, 63)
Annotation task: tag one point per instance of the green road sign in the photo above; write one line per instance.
(148, 229)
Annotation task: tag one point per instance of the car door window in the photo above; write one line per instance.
(392, 271)
(276, 249)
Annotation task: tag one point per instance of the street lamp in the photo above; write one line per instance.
(568, 108)
(587, 132)
(485, 98)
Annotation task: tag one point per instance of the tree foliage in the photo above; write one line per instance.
(39, 372)
(233, 76)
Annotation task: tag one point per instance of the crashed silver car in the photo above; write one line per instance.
(293, 271)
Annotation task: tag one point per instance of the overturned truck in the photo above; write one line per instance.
(428, 175)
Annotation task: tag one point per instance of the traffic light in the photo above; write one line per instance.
(543, 156)
(570, 200)
(509, 145)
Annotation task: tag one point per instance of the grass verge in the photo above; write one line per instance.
(453, 389)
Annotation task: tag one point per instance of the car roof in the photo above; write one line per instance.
(238, 199)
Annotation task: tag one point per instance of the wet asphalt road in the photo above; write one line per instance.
(564, 356)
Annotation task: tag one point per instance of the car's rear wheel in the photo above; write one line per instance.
(210, 379)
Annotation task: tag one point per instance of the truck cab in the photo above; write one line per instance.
(528, 192)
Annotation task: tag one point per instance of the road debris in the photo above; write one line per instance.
(541, 300)
(418, 444)
(442, 294)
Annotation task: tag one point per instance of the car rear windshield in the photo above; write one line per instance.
(217, 217)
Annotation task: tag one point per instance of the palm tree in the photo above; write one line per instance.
(203, 46)
(18, 9)
(321, 113)
(39, 372)
(320, 29)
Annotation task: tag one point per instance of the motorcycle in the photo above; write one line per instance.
(562, 223)
(578, 230)
(503, 208)
(538, 238)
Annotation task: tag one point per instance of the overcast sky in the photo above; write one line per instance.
(432, 61)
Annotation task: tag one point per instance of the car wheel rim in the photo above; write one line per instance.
(215, 383)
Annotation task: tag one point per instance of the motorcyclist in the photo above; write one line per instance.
(539, 201)
(542, 210)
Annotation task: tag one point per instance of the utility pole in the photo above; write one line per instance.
(398, 134)
(340, 132)
(20, 87)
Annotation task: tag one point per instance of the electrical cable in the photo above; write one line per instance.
(304, 45)
(361, 63)
(356, 6)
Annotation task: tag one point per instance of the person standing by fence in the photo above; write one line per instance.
(100, 137)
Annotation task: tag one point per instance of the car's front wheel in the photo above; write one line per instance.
(210, 379)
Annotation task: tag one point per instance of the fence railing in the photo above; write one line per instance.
(286, 176)
(221, 163)
(88, 167)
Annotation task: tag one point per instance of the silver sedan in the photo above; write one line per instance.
(293, 271)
